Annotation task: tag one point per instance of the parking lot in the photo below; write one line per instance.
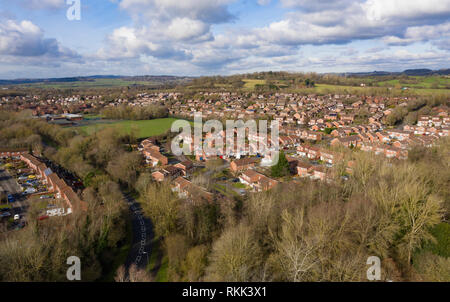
(19, 183)
(16, 204)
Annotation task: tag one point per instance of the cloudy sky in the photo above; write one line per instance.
(205, 37)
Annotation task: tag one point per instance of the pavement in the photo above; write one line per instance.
(139, 253)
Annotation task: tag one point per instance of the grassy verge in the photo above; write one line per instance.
(5, 206)
(155, 255)
(161, 276)
(121, 254)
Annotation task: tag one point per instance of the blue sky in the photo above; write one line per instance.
(206, 37)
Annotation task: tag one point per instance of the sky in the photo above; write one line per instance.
(220, 37)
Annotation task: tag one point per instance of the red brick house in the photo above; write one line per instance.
(243, 164)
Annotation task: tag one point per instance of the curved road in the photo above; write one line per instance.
(139, 253)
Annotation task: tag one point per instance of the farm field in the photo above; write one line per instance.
(143, 129)
(326, 88)
(436, 82)
(422, 86)
(251, 83)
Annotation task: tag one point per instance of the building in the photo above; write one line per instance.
(303, 169)
(257, 181)
(154, 157)
(243, 164)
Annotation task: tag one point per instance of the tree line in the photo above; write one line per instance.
(126, 112)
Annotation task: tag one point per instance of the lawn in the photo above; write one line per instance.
(144, 129)
(239, 185)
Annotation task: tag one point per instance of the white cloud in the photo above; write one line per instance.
(210, 11)
(184, 37)
(181, 30)
(188, 29)
(127, 42)
(356, 21)
(380, 10)
(25, 39)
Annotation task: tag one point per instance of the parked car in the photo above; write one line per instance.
(5, 214)
(45, 197)
(43, 217)
(16, 217)
(30, 191)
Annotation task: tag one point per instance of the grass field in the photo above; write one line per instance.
(326, 88)
(251, 83)
(144, 129)
(436, 82)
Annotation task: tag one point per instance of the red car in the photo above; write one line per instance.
(43, 217)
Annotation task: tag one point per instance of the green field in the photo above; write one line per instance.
(251, 83)
(326, 88)
(431, 82)
(144, 129)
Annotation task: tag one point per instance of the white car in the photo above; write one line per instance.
(16, 217)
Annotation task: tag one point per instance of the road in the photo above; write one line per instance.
(139, 253)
